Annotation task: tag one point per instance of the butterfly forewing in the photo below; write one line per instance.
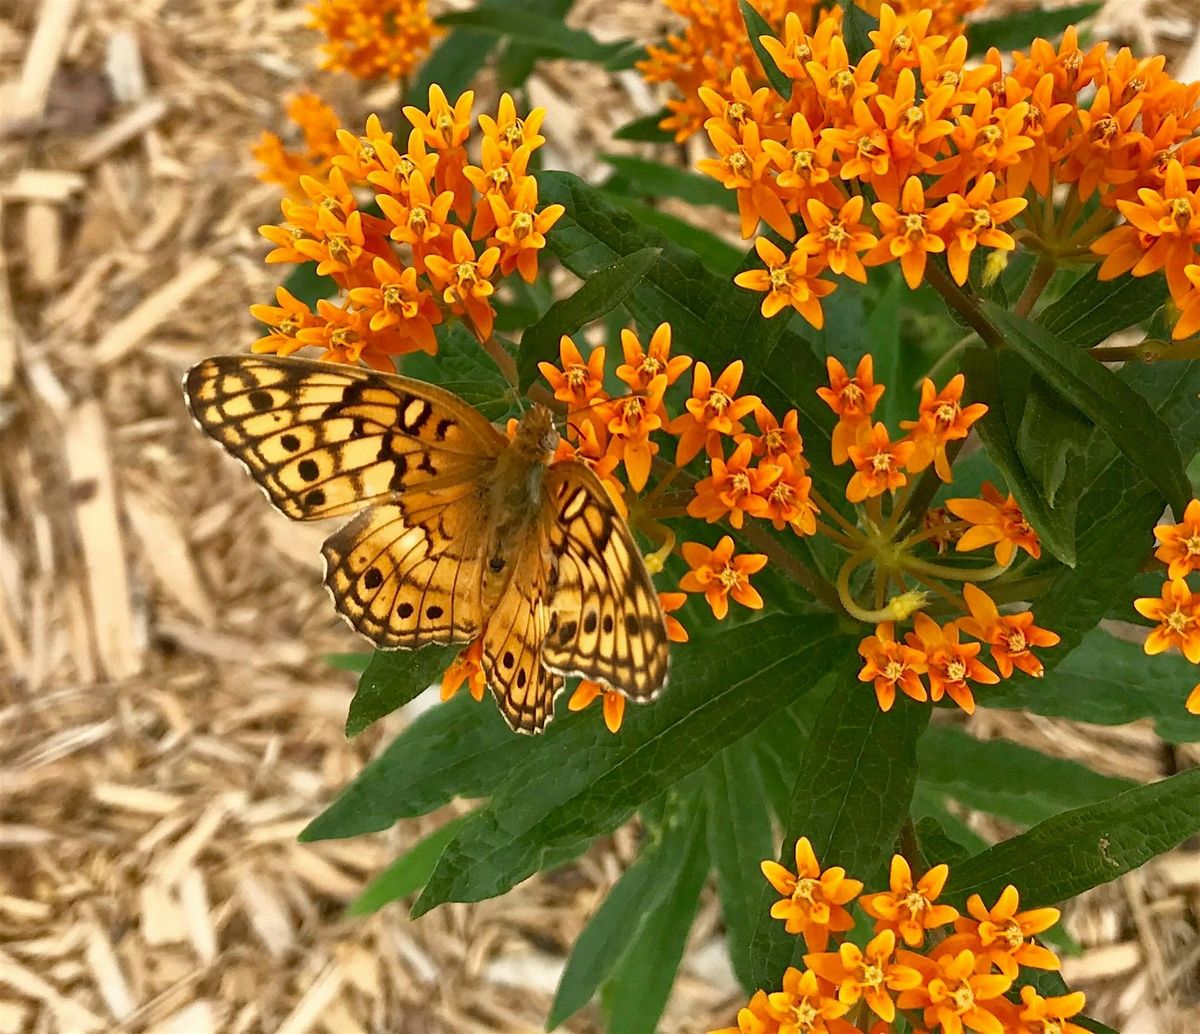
(606, 622)
(323, 439)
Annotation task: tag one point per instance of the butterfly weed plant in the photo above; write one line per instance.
(924, 447)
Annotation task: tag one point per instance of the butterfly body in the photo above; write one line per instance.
(459, 533)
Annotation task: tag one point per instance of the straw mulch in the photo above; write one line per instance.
(166, 723)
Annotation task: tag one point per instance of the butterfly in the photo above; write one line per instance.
(458, 532)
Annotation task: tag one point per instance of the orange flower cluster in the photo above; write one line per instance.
(712, 42)
(374, 38)
(1177, 610)
(448, 230)
(318, 124)
(952, 154)
(925, 964)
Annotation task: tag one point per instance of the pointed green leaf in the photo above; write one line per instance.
(600, 293)
(1093, 310)
(407, 874)
(857, 25)
(855, 784)
(578, 781)
(1080, 849)
(552, 38)
(392, 678)
(1014, 31)
(641, 177)
(355, 662)
(464, 368)
(1124, 415)
(307, 286)
(756, 26)
(636, 994)
(618, 922)
(739, 838)
(646, 129)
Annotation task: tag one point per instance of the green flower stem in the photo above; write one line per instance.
(1043, 272)
(962, 303)
(506, 363)
(851, 606)
(1149, 351)
(784, 559)
(826, 507)
(956, 574)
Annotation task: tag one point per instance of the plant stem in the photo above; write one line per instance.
(962, 303)
(1042, 273)
(766, 543)
(506, 363)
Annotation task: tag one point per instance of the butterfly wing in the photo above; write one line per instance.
(323, 439)
(523, 686)
(605, 619)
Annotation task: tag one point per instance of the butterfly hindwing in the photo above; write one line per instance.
(408, 572)
(605, 619)
(323, 438)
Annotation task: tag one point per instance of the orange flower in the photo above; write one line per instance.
(466, 282)
(734, 489)
(995, 519)
(870, 974)
(789, 503)
(804, 1007)
(1193, 701)
(909, 233)
(836, 240)
(510, 132)
(776, 440)
(1048, 1015)
(1177, 617)
(801, 171)
(399, 304)
(788, 280)
(974, 220)
(344, 335)
(878, 465)
(743, 166)
(1010, 636)
(941, 419)
(466, 667)
(496, 176)
(890, 665)
(954, 995)
(951, 663)
(908, 908)
(443, 126)
(286, 320)
(756, 1018)
(713, 410)
(1188, 302)
(578, 383)
(853, 399)
(719, 574)
(989, 139)
(671, 601)
(341, 245)
(360, 154)
(1002, 936)
(641, 366)
(635, 418)
(373, 39)
(839, 84)
(614, 703)
(814, 902)
(397, 170)
(419, 219)
(744, 104)
(520, 230)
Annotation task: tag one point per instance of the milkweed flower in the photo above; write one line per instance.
(1010, 636)
(951, 663)
(814, 900)
(892, 665)
(879, 464)
(575, 381)
(853, 399)
(788, 280)
(908, 907)
(995, 519)
(613, 703)
(672, 601)
(642, 365)
(466, 667)
(735, 489)
(1050, 1015)
(1178, 544)
(465, 281)
(804, 1006)
(713, 410)
(954, 995)
(284, 321)
(1002, 936)
(1178, 620)
(910, 232)
(374, 38)
(634, 418)
(720, 575)
(871, 974)
(942, 418)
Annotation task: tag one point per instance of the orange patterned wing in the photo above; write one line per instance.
(523, 686)
(322, 439)
(605, 619)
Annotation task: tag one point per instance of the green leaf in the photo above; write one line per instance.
(1013, 31)
(458, 749)
(857, 25)
(992, 380)
(307, 286)
(1006, 779)
(600, 293)
(1110, 681)
(355, 662)
(1101, 395)
(1080, 849)
(1051, 440)
(718, 256)
(636, 994)
(937, 846)
(723, 686)
(392, 678)
(641, 177)
(1093, 310)
(646, 129)
(739, 837)
(618, 921)
(552, 38)
(407, 874)
(463, 367)
(855, 784)
(756, 26)
(519, 58)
